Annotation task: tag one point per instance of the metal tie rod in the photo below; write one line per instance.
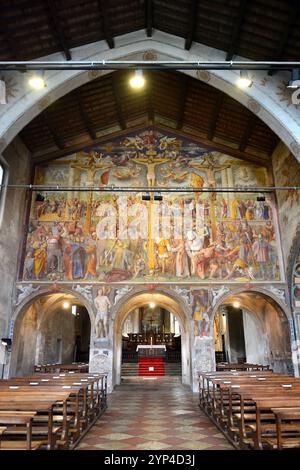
(24, 66)
(153, 189)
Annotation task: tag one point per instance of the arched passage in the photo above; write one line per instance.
(51, 328)
(252, 327)
(165, 301)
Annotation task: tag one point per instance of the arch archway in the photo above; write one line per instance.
(252, 326)
(166, 300)
(50, 328)
(261, 99)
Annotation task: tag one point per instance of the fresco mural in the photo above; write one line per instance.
(196, 235)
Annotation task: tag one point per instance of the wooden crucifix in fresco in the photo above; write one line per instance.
(151, 162)
(210, 166)
(90, 162)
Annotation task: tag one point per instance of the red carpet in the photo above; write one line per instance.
(151, 366)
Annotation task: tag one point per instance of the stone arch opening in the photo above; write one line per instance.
(50, 328)
(252, 327)
(136, 46)
(166, 301)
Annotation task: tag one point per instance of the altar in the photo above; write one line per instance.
(151, 350)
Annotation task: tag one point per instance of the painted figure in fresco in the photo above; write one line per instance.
(54, 254)
(181, 258)
(193, 245)
(200, 315)
(40, 258)
(102, 305)
(224, 209)
(261, 254)
(163, 253)
(91, 262)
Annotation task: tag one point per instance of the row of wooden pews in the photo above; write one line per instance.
(224, 366)
(50, 411)
(254, 409)
(57, 367)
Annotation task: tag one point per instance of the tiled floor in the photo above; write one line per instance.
(153, 414)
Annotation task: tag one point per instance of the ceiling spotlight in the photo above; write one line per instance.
(152, 305)
(137, 81)
(244, 81)
(236, 304)
(295, 79)
(37, 80)
(74, 310)
(66, 305)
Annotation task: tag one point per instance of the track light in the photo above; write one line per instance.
(295, 79)
(260, 198)
(37, 80)
(146, 197)
(39, 198)
(244, 80)
(137, 81)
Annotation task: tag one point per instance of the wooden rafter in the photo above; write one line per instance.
(47, 122)
(102, 4)
(192, 22)
(201, 141)
(216, 112)
(151, 114)
(84, 115)
(56, 28)
(149, 17)
(247, 134)
(118, 101)
(292, 18)
(182, 100)
(236, 29)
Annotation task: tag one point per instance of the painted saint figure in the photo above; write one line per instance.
(102, 305)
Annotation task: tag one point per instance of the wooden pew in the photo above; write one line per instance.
(13, 422)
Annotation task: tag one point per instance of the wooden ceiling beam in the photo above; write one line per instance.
(215, 146)
(150, 85)
(247, 134)
(84, 115)
(292, 18)
(149, 17)
(192, 22)
(216, 112)
(102, 5)
(44, 116)
(56, 28)
(236, 29)
(118, 101)
(182, 101)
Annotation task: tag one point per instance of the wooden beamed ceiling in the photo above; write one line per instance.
(256, 29)
(107, 105)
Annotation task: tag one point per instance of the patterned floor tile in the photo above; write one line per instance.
(153, 415)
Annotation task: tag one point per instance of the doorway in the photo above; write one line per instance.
(54, 328)
(251, 327)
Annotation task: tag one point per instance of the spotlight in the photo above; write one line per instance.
(137, 81)
(37, 81)
(74, 310)
(236, 304)
(295, 79)
(152, 305)
(66, 305)
(6, 342)
(260, 198)
(146, 197)
(158, 197)
(244, 81)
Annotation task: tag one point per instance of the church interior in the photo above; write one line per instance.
(150, 225)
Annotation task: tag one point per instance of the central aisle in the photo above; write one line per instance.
(153, 414)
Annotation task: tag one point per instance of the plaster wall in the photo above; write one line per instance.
(16, 157)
